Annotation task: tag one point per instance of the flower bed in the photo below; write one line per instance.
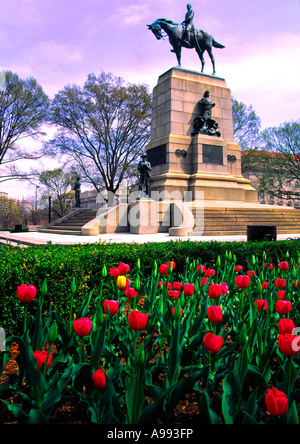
(200, 345)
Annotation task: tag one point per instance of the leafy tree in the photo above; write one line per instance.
(280, 162)
(59, 184)
(102, 127)
(246, 130)
(10, 212)
(23, 111)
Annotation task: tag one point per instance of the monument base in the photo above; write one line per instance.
(183, 161)
(143, 217)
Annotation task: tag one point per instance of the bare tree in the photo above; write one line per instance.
(103, 128)
(23, 111)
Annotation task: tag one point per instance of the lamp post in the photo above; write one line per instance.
(36, 188)
(49, 206)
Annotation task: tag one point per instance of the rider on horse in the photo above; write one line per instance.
(188, 25)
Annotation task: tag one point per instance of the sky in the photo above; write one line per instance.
(60, 42)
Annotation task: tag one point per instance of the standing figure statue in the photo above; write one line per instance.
(203, 123)
(76, 188)
(188, 25)
(144, 169)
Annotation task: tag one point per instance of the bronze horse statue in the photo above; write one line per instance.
(200, 40)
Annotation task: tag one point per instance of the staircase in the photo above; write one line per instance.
(232, 221)
(70, 224)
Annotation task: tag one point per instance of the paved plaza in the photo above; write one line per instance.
(36, 238)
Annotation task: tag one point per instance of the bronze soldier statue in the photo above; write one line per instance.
(203, 123)
(76, 188)
(144, 168)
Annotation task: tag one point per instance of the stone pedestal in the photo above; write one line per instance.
(143, 217)
(182, 162)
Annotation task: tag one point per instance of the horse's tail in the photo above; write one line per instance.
(217, 44)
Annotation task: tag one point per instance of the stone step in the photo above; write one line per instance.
(54, 231)
(66, 227)
(246, 223)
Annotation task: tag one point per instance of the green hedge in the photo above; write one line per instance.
(59, 264)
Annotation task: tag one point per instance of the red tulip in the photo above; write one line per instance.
(238, 268)
(114, 272)
(288, 344)
(281, 294)
(123, 268)
(41, 357)
(285, 326)
(283, 266)
(215, 291)
(276, 402)
(137, 320)
(164, 268)
(82, 326)
(296, 284)
(200, 267)
(280, 283)
(188, 289)
(131, 293)
(26, 293)
(173, 311)
(224, 288)
(213, 343)
(209, 272)
(203, 281)
(261, 303)
(242, 281)
(177, 285)
(251, 274)
(160, 284)
(283, 307)
(174, 294)
(214, 314)
(112, 305)
(99, 380)
(271, 266)
(264, 285)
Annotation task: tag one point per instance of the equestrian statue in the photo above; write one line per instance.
(185, 35)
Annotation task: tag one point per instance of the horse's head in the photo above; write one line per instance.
(156, 29)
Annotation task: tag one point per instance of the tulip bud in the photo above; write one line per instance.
(137, 283)
(259, 287)
(53, 332)
(99, 318)
(104, 271)
(218, 262)
(243, 335)
(73, 286)
(154, 270)
(264, 256)
(253, 260)
(44, 288)
(140, 357)
(177, 312)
